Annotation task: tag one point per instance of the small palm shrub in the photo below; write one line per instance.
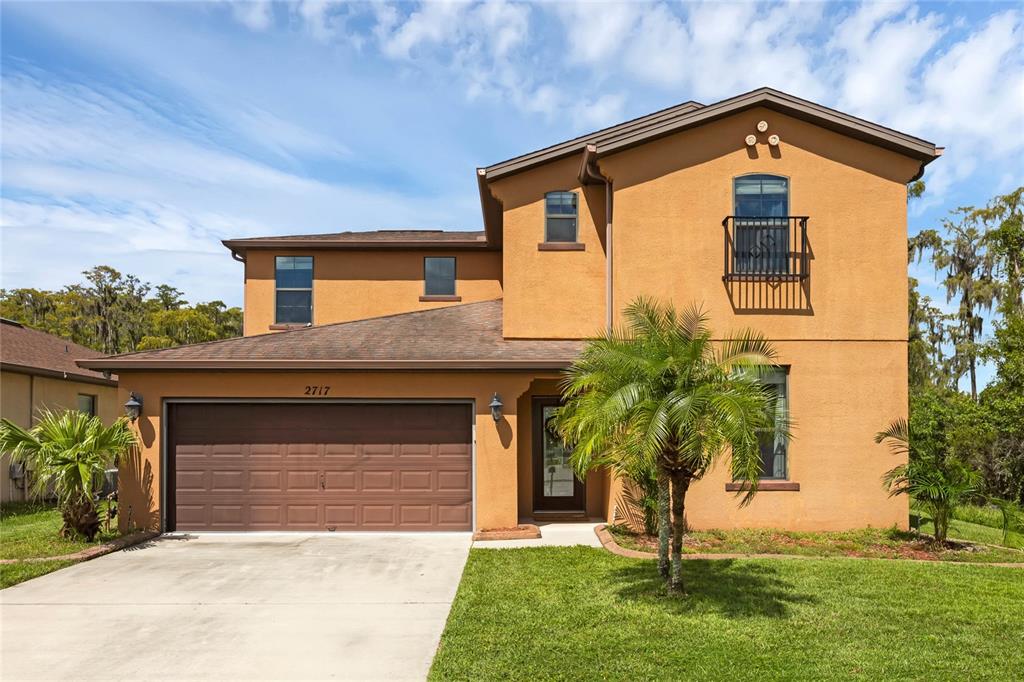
(938, 481)
(659, 395)
(68, 453)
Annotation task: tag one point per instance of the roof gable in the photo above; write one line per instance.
(660, 124)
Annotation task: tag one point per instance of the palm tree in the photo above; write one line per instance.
(940, 482)
(659, 394)
(68, 452)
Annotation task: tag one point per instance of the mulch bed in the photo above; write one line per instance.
(525, 531)
(917, 550)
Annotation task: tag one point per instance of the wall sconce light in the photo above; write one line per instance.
(496, 406)
(750, 140)
(773, 140)
(133, 408)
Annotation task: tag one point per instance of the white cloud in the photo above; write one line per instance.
(97, 177)
(258, 15)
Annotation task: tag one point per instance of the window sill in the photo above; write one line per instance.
(561, 246)
(764, 486)
(440, 297)
(285, 327)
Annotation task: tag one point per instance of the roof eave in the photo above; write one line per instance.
(58, 374)
(574, 146)
(337, 365)
(242, 245)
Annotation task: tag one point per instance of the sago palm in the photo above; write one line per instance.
(661, 394)
(67, 453)
(939, 481)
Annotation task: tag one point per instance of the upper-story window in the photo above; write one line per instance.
(761, 209)
(560, 217)
(439, 276)
(293, 277)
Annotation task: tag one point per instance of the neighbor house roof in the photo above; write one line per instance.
(375, 239)
(465, 336)
(29, 351)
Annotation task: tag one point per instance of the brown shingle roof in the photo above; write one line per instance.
(370, 239)
(31, 351)
(465, 336)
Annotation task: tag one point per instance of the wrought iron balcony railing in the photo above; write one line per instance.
(772, 249)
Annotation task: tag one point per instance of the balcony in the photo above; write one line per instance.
(768, 264)
(766, 249)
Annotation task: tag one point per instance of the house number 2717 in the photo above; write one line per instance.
(317, 390)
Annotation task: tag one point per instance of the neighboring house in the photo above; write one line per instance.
(38, 372)
(361, 395)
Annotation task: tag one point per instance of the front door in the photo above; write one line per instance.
(555, 486)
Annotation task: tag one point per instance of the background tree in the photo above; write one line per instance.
(979, 259)
(929, 331)
(1004, 238)
(112, 313)
(659, 395)
(1003, 400)
(169, 298)
(961, 251)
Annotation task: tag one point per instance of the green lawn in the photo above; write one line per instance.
(876, 543)
(974, 532)
(12, 574)
(32, 529)
(580, 613)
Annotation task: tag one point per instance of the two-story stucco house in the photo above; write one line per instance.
(399, 380)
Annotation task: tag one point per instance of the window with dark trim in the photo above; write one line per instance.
(560, 217)
(761, 209)
(439, 276)
(293, 277)
(87, 404)
(774, 444)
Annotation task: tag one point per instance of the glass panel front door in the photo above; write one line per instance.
(558, 474)
(555, 486)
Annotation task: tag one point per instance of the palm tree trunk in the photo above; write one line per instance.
(664, 521)
(680, 484)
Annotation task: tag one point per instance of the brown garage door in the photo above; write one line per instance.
(323, 466)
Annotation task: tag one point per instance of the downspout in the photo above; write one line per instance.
(589, 174)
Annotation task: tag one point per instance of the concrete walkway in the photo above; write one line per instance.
(254, 606)
(551, 535)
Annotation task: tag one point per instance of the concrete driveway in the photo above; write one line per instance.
(284, 606)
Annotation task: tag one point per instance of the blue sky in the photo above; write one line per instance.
(140, 134)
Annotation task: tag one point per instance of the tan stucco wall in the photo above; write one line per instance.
(840, 395)
(670, 197)
(354, 285)
(555, 294)
(22, 395)
(496, 446)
